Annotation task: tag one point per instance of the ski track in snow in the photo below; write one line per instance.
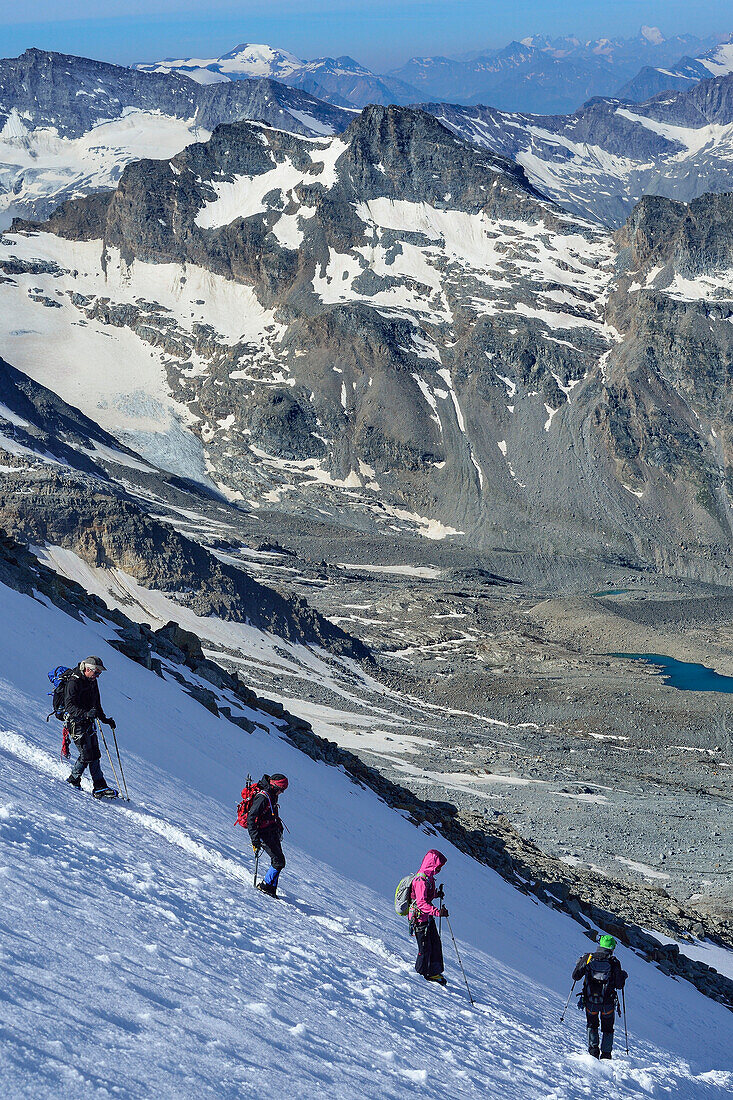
(137, 962)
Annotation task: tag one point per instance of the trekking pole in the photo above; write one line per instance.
(572, 987)
(104, 741)
(459, 959)
(626, 1034)
(257, 860)
(119, 761)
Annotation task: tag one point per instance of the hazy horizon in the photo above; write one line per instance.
(380, 35)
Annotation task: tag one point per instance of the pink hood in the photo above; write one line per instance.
(432, 862)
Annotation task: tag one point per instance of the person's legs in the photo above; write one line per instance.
(87, 744)
(422, 960)
(273, 847)
(429, 960)
(591, 1019)
(607, 1022)
(435, 950)
(95, 770)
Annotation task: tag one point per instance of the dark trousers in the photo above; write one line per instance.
(270, 841)
(87, 744)
(429, 949)
(607, 1016)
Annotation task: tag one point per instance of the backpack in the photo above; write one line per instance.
(249, 792)
(403, 894)
(599, 983)
(59, 677)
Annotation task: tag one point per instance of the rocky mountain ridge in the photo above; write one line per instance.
(68, 125)
(62, 485)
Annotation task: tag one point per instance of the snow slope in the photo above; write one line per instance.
(38, 164)
(138, 962)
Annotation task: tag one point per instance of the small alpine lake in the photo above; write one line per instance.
(683, 675)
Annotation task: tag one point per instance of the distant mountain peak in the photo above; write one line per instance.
(652, 35)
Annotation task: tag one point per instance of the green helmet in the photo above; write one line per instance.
(608, 942)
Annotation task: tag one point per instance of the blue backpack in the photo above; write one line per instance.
(58, 677)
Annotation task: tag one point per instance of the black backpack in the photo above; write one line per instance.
(599, 985)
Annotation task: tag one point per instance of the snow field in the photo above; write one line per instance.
(138, 962)
(41, 163)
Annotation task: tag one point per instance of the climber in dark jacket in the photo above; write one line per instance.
(266, 829)
(602, 976)
(82, 707)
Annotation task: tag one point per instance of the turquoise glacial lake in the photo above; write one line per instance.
(683, 674)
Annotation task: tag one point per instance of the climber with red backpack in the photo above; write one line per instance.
(260, 815)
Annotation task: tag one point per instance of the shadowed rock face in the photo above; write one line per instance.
(437, 342)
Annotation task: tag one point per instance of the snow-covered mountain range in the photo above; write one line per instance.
(341, 80)
(599, 161)
(538, 74)
(69, 125)
(345, 323)
(717, 61)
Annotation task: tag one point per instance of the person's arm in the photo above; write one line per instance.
(420, 897)
(580, 967)
(253, 825)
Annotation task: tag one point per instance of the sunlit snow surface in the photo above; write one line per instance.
(138, 962)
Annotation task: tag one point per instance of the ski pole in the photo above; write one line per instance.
(119, 761)
(257, 860)
(572, 987)
(104, 741)
(626, 1034)
(459, 958)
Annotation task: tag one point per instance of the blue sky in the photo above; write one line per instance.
(380, 33)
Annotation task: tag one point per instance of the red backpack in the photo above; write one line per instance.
(249, 792)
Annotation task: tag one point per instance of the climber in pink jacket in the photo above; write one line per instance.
(422, 914)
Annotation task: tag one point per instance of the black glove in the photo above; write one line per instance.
(256, 845)
(110, 722)
(443, 911)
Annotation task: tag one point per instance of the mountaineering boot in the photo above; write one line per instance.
(105, 792)
(267, 888)
(605, 1054)
(593, 1046)
(74, 781)
(437, 978)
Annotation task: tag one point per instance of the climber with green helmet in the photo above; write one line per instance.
(602, 976)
